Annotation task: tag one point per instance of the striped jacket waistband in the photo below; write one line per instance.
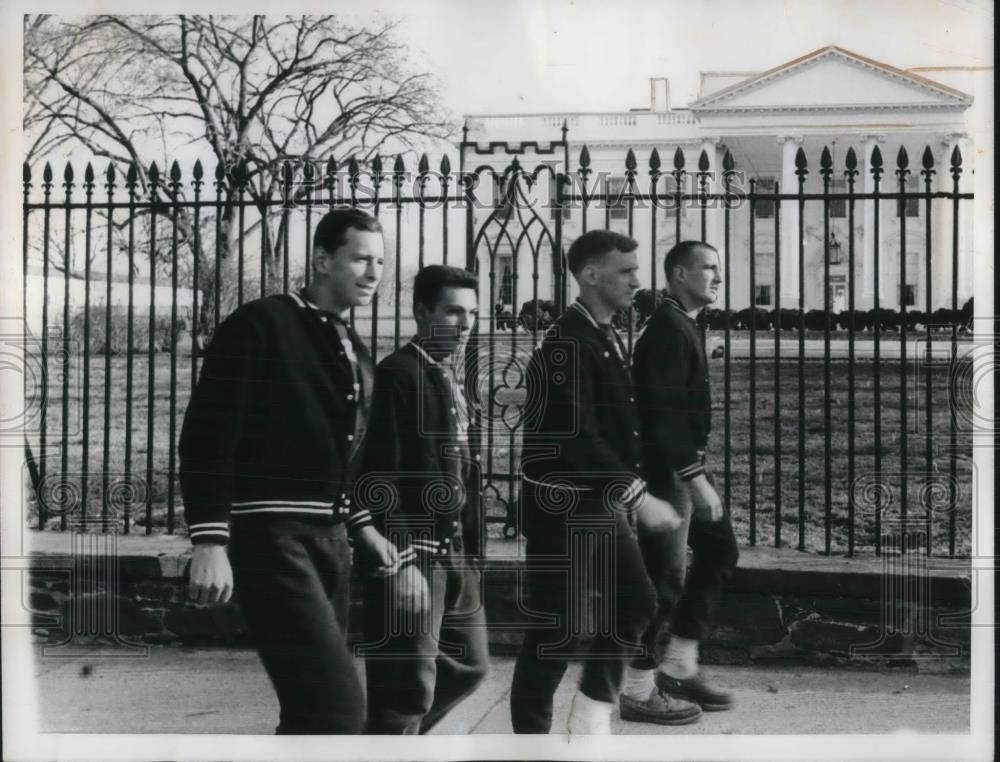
(264, 509)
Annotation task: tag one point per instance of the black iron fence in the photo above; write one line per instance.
(826, 419)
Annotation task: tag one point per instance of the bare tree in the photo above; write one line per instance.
(251, 90)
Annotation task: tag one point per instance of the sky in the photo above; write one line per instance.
(510, 56)
(531, 56)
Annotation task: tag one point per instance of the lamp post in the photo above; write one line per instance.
(834, 250)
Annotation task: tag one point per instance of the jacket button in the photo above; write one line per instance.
(350, 437)
(607, 354)
(454, 523)
(635, 433)
(631, 399)
(350, 396)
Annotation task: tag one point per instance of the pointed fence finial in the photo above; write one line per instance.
(654, 162)
(703, 163)
(825, 164)
(877, 169)
(902, 163)
(630, 162)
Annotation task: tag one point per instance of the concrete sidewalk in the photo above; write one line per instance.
(178, 690)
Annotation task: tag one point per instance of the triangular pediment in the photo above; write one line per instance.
(833, 79)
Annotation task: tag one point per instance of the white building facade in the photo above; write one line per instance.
(831, 98)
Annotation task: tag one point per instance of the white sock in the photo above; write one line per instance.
(681, 659)
(638, 683)
(588, 716)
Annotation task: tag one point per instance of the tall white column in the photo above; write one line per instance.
(944, 225)
(868, 266)
(966, 248)
(714, 228)
(941, 221)
(789, 222)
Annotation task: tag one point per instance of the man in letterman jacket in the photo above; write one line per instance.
(581, 462)
(672, 384)
(419, 462)
(269, 450)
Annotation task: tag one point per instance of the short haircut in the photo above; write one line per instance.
(594, 244)
(681, 255)
(331, 232)
(432, 279)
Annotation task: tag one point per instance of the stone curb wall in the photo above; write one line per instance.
(782, 606)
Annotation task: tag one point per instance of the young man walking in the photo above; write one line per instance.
(425, 628)
(581, 463)
(269, 450)
(672, 382)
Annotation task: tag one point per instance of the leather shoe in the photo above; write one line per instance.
(659, 708)
(694, 689)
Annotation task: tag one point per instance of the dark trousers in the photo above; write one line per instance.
(687, 598)
(294, 593)
(419, 668)
(594, 592)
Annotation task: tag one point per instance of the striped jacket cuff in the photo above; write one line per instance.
(429, 547)
(689, 472)
(634, 494)
(356, 521)
(414, 550)
(407, 556)
(209, 532)
(417, 548)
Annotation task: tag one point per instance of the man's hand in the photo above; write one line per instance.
(656, 515)
(410, 590)
(211, 574)
(705, 498)
(377, 553)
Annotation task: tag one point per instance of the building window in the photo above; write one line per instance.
(500, 200)
(911, 205)
(616, 203)
(764, 210)
(506, 296)
(762, 296)
(908, 297)
(671, 205)
(553, 209)
(838, 206)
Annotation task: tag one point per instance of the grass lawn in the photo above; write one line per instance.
(499, 450)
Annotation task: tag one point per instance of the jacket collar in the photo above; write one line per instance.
(609, 337)
(582, 309)
(674, 303)
(415, 342)
(304, 302)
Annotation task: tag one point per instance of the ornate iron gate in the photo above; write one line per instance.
(511, 227)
